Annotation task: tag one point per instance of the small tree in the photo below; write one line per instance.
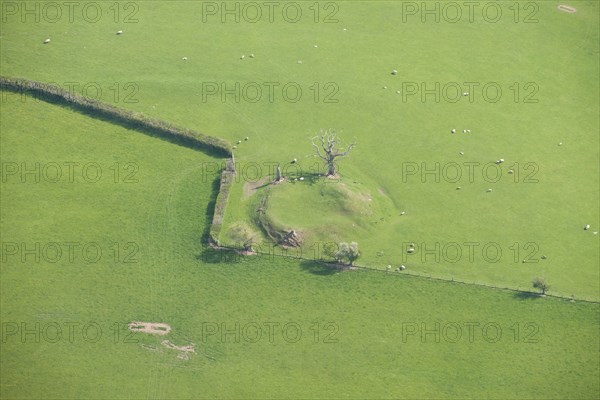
(330, 249)
(541, 284)
(347, 252)
(328, 148)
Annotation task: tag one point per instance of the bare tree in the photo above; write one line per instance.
(328, 147)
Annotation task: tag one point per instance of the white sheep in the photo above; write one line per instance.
(252, 55)
(394, 72)
(489, 190)
(402, 267)
(294, 161)
(586, 227)
(47, 41)
(453, 131)
(119, 32)
(184, 58)
(301, 178)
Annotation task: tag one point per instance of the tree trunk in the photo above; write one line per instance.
(331, 171)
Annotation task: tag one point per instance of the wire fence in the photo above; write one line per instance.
(236, 251)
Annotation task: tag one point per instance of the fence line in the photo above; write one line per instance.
(52, 94)
(415, 275)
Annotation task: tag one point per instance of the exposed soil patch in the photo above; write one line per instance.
(568, 9)
(155, 328)
(184, 350)
(251, 187)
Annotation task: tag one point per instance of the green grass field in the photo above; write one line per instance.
(362, 353)
(150, 209)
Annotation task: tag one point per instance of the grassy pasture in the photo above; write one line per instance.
(352, 323)
(163, 211)
(393, 134)
(358, 351)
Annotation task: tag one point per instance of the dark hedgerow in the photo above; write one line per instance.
(55, 94)
(227, 179)
(136, 120)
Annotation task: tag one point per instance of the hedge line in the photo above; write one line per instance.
(227, 179)
(55, 94)
(136, 120)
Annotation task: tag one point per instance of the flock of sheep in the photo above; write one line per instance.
(47, 40)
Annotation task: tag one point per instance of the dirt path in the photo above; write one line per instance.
(251, 187)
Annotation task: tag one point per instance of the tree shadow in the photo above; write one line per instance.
(210, 208)
(264, 185)
(319, 267)
(310, 178)
(527, 295)
(210, 255)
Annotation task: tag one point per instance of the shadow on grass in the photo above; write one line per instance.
(527, 295)
(319, 267)
(311, 178)
(121, 118)
(210, 209)
(210, 255)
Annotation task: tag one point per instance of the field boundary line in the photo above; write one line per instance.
(130, 119)
(136, 120)
(412, 275)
